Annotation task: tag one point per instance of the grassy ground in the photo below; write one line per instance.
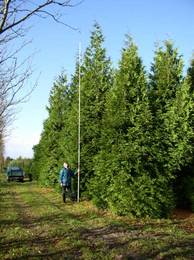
(35, 224)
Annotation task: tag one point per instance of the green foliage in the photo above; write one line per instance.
(171, 106)
(178, 128)
(69, 134)
(190, 76)
(48, 156)
(96, 80)
(140, 196)
(165, 76)
(123, 163)
(136, 132)
(190, 72)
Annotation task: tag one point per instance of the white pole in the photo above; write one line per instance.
(79, 109)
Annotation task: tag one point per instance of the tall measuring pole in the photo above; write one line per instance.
(79, 121)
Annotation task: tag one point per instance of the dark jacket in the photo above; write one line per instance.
(65, 176)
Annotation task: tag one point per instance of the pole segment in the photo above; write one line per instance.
(79, 121)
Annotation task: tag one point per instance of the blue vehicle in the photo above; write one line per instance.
(15, 174)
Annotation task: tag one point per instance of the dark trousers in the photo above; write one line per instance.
(67, 191)
(66, 188)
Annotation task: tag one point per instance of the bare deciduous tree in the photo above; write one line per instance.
(14, 15)
(15, 12)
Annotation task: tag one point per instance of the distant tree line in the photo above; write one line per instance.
(137, 130)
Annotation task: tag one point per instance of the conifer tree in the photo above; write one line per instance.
(178, 128)
(190, 73)
(171, 109)
(166, 87)
(41, 157)
(95, 81)
(69, 137)
(135, 135)
(38, 157)
(184, 185)
(122, 181)
(49, 152)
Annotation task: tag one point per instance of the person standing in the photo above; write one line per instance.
(65, 176)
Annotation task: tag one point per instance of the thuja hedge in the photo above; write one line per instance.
(136, 128)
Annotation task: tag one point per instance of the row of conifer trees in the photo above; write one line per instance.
(136, 129)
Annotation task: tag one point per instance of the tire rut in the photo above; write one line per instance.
(22, 208)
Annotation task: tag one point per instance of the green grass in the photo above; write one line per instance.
(36, 224)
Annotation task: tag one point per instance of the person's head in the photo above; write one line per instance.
(65, 165)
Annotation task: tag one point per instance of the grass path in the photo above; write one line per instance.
(35, 224)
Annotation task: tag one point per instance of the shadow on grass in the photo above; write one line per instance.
(183, 248)
(102, 239)
(59, 254)
(45, 251)
(71, 234)
(95, 240)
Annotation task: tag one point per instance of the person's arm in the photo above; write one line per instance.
(73, 173)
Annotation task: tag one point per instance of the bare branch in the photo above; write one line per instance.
(5, 12)
(54, 17)
(9, 11)
(13, 73)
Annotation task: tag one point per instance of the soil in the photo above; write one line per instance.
(183, 214)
